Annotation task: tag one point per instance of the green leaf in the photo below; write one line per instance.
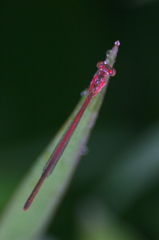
(135, 172)
(18, 224)
(95, 222)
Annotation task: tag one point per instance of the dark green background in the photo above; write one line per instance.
(48, 52)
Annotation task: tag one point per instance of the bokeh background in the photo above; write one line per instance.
(48, 52)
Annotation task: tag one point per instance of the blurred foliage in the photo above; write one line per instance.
(48, 53)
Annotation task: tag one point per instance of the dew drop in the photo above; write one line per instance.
(117, 43)
(83, 151)
(106, 61)
(108, 52)
(84, 93)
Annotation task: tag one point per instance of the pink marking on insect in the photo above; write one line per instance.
(100, 78)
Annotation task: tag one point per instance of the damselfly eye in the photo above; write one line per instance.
(107, 68)
(100, 64)
(112, 72)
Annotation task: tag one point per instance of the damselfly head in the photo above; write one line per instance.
(106, 68)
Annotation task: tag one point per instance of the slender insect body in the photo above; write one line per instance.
(98, 82)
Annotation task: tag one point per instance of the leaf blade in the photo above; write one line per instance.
(49, 196)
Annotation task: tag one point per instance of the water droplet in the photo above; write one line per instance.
(83, 151)
(84, 93)
(108, 52)
(106, 61)
(117, 43)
